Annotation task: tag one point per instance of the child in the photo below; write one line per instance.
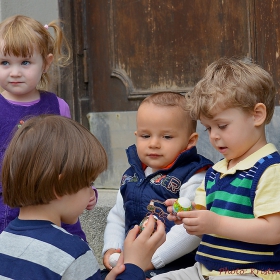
(51, 183)
(27, 50)
(240, 216)
(164, 164)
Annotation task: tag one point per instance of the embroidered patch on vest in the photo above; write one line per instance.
(127, 178)
(171, 183)
(156, 210)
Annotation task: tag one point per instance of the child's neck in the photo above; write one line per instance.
(229, 165)
(34, 95)
(39, 212)
(261, 143)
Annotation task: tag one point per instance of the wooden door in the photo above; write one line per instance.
(125, 50)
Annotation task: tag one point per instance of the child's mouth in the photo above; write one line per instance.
(222, 150)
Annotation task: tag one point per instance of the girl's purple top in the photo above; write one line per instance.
(10, 114)
(63, 106)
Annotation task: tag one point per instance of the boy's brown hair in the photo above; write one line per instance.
(232, 83)
(171, 99)
(50, 156)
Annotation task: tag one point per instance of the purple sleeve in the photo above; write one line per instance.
(132, 272)
(64, 108)
(96, 192)
(75, 229)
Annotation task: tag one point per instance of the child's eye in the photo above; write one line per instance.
(25, 62)
(222, 126)
(167, 137)
(4, 63)
(207, 128)
(145, 136)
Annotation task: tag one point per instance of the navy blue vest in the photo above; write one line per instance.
(138, 191)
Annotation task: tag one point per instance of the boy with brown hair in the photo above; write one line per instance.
(239, 218)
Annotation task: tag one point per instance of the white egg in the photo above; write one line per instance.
(113, 259)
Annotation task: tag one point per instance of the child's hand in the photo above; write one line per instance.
(171, 217)
(107, 256)
(92, 201)
(118, 269)
(199, 222)
(150, 266)
(139, 249)
(169, 202)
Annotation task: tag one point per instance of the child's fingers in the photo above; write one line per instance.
(174, 219)
(169, 202)
(118, 269)
(160, 226)
(121, 259)
(170, 209)
(107, 255)
(159, 235)
(132, 234)
(149, 228)
(188, 214)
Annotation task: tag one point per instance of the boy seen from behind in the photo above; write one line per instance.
(48, 170)
(239, 218)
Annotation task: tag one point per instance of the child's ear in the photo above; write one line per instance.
(49, 60)
(192, 140)
(259, 114)
(58, 197)
(135, 133)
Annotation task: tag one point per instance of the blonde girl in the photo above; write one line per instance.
(27, 50)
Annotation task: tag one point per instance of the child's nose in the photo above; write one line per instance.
(154, 142)
(214, 134)
(15, 71)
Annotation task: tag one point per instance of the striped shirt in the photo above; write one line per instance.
(35, 249)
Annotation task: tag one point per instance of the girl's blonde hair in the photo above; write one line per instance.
(21, 35)
(232, 83)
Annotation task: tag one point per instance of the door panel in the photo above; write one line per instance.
(151, 46)
(125, 50)
(267, 38)
(164, 45)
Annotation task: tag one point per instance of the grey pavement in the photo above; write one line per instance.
(94, 221)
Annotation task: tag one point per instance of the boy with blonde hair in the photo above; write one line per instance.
(164, 164)
(239, 216)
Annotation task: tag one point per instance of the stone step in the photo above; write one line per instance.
(94, 221)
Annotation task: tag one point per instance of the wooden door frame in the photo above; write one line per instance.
(73, 87)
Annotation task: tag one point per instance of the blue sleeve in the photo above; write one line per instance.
(132, 272)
